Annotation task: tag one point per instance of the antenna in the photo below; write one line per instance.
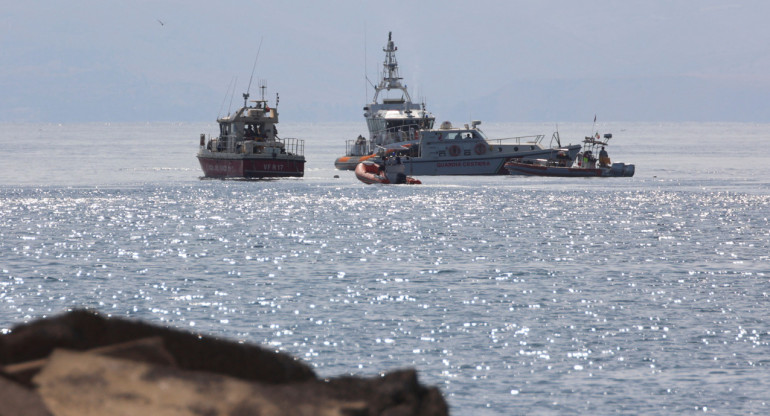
(233, 95)
(262, 87)
(366, 69)
(373, 86)
(558, 137)
(246, 95)
(255, 65)
(230, 85)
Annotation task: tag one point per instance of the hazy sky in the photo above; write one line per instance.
(560, 60)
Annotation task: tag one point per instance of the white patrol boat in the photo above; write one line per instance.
(391, 118)
(467, 151)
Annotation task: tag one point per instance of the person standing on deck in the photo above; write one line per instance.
(604, 158)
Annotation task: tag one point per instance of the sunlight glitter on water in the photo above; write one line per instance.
(640, 296)
(557, 291)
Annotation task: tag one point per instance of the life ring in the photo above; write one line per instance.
(454, 150)
(480, 149)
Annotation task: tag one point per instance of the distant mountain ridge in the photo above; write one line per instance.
(676, 98)
(644, 99)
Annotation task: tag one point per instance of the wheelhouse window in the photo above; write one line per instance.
(426, 123)
(466, 135)
(253, 130)
(376, 124)
(403, 125)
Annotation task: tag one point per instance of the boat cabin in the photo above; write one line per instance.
(250, 122)
(392, 128)
(453, 142)
(251, 128)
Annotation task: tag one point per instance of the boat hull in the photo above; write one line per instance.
(493, 163)
(616, 170)
(252, 167)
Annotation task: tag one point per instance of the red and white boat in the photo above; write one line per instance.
(248, 145)
(371, 172)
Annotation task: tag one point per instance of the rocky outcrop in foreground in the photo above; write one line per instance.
(84, 364)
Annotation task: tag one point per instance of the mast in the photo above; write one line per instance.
(390, 79)
(253, 68)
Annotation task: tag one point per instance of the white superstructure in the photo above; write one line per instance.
(391, 116)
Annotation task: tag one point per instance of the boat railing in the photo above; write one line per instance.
(221, 144)
(537, 138)
(228, 144)
(294, 146)
(358, 147)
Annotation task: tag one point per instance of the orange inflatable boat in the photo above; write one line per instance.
(370, 172)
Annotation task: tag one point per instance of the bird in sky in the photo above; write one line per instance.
(161, 22)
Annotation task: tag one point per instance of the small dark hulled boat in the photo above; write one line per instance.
(584, 165)
(544, 168)
(370, 172)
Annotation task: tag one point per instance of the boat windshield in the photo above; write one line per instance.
(464, 135)
(409, 123)
(226, 129)
(478, 134)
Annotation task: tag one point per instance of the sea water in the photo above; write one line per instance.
(513, 295)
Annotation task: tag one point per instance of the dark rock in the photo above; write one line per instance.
(83, 330)
(149, 350)
(128, 367)
(16, 400)
(395, 393)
